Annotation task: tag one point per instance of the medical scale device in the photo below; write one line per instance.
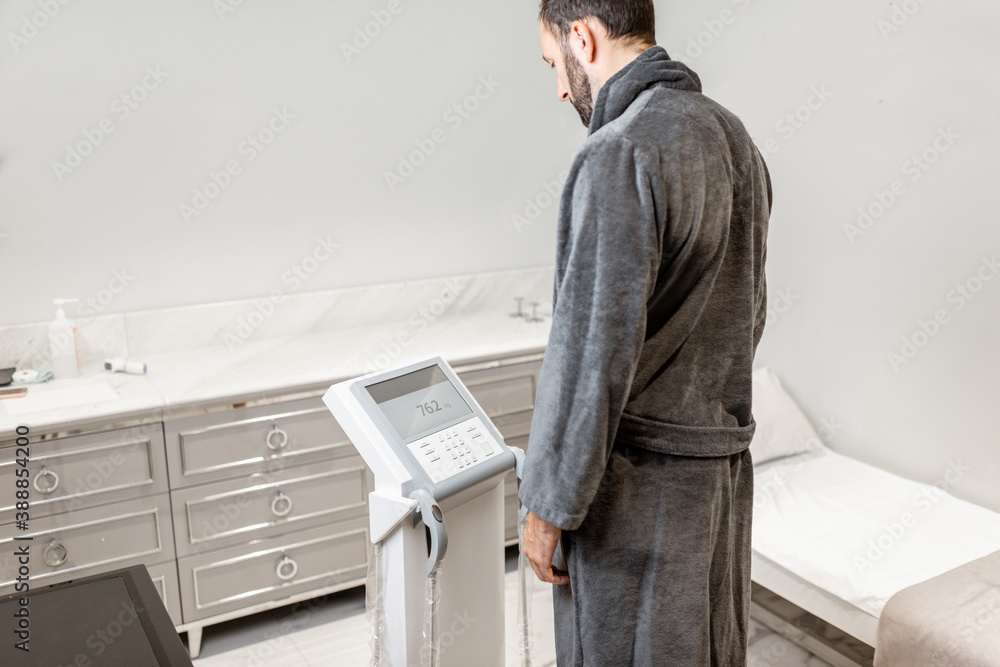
(435, 590)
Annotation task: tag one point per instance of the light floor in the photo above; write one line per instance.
(335, 634)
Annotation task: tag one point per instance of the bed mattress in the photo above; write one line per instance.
(859, 533)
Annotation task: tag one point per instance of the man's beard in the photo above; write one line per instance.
(580, 92)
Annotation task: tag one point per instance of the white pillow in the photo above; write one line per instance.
(782, 429)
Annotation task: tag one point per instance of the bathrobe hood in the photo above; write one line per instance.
(653, 67)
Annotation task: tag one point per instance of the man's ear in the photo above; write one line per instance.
(581, 39)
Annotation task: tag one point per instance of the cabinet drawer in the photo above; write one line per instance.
(91, 540)
(164, 578)
(83, 471)
(504, 390)
(240, 577)
(249, 440)
(514, 427)
(240, 510)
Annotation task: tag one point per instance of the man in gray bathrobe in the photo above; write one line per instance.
(638, 457)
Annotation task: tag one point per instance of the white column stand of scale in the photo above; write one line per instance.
(438, 504)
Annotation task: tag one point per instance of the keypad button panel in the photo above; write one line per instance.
(454, 449)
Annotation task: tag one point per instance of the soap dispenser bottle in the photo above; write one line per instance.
(64, 343)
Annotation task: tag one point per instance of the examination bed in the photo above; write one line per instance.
(840, 538)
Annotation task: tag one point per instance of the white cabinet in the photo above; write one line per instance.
(232, 509)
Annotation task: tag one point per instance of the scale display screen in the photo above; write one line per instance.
(419, 402)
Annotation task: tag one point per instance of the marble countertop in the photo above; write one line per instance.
(271, 366)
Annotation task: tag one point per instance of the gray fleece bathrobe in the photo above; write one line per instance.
(638, 446)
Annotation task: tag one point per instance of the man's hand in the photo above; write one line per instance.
(540, 540)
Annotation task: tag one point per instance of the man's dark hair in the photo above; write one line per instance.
(631, 20)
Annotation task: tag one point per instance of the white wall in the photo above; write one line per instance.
(852, 303)
(322, 176)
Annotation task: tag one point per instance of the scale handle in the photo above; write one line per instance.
(519, 457)
(433, 518)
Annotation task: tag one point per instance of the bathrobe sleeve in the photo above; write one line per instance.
(607, 262)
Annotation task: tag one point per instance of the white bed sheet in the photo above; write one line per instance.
(859, 532)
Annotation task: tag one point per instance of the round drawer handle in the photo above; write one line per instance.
(277, 439)
(281, 505)
(287, 569)
(47, 489)
(55, 554)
